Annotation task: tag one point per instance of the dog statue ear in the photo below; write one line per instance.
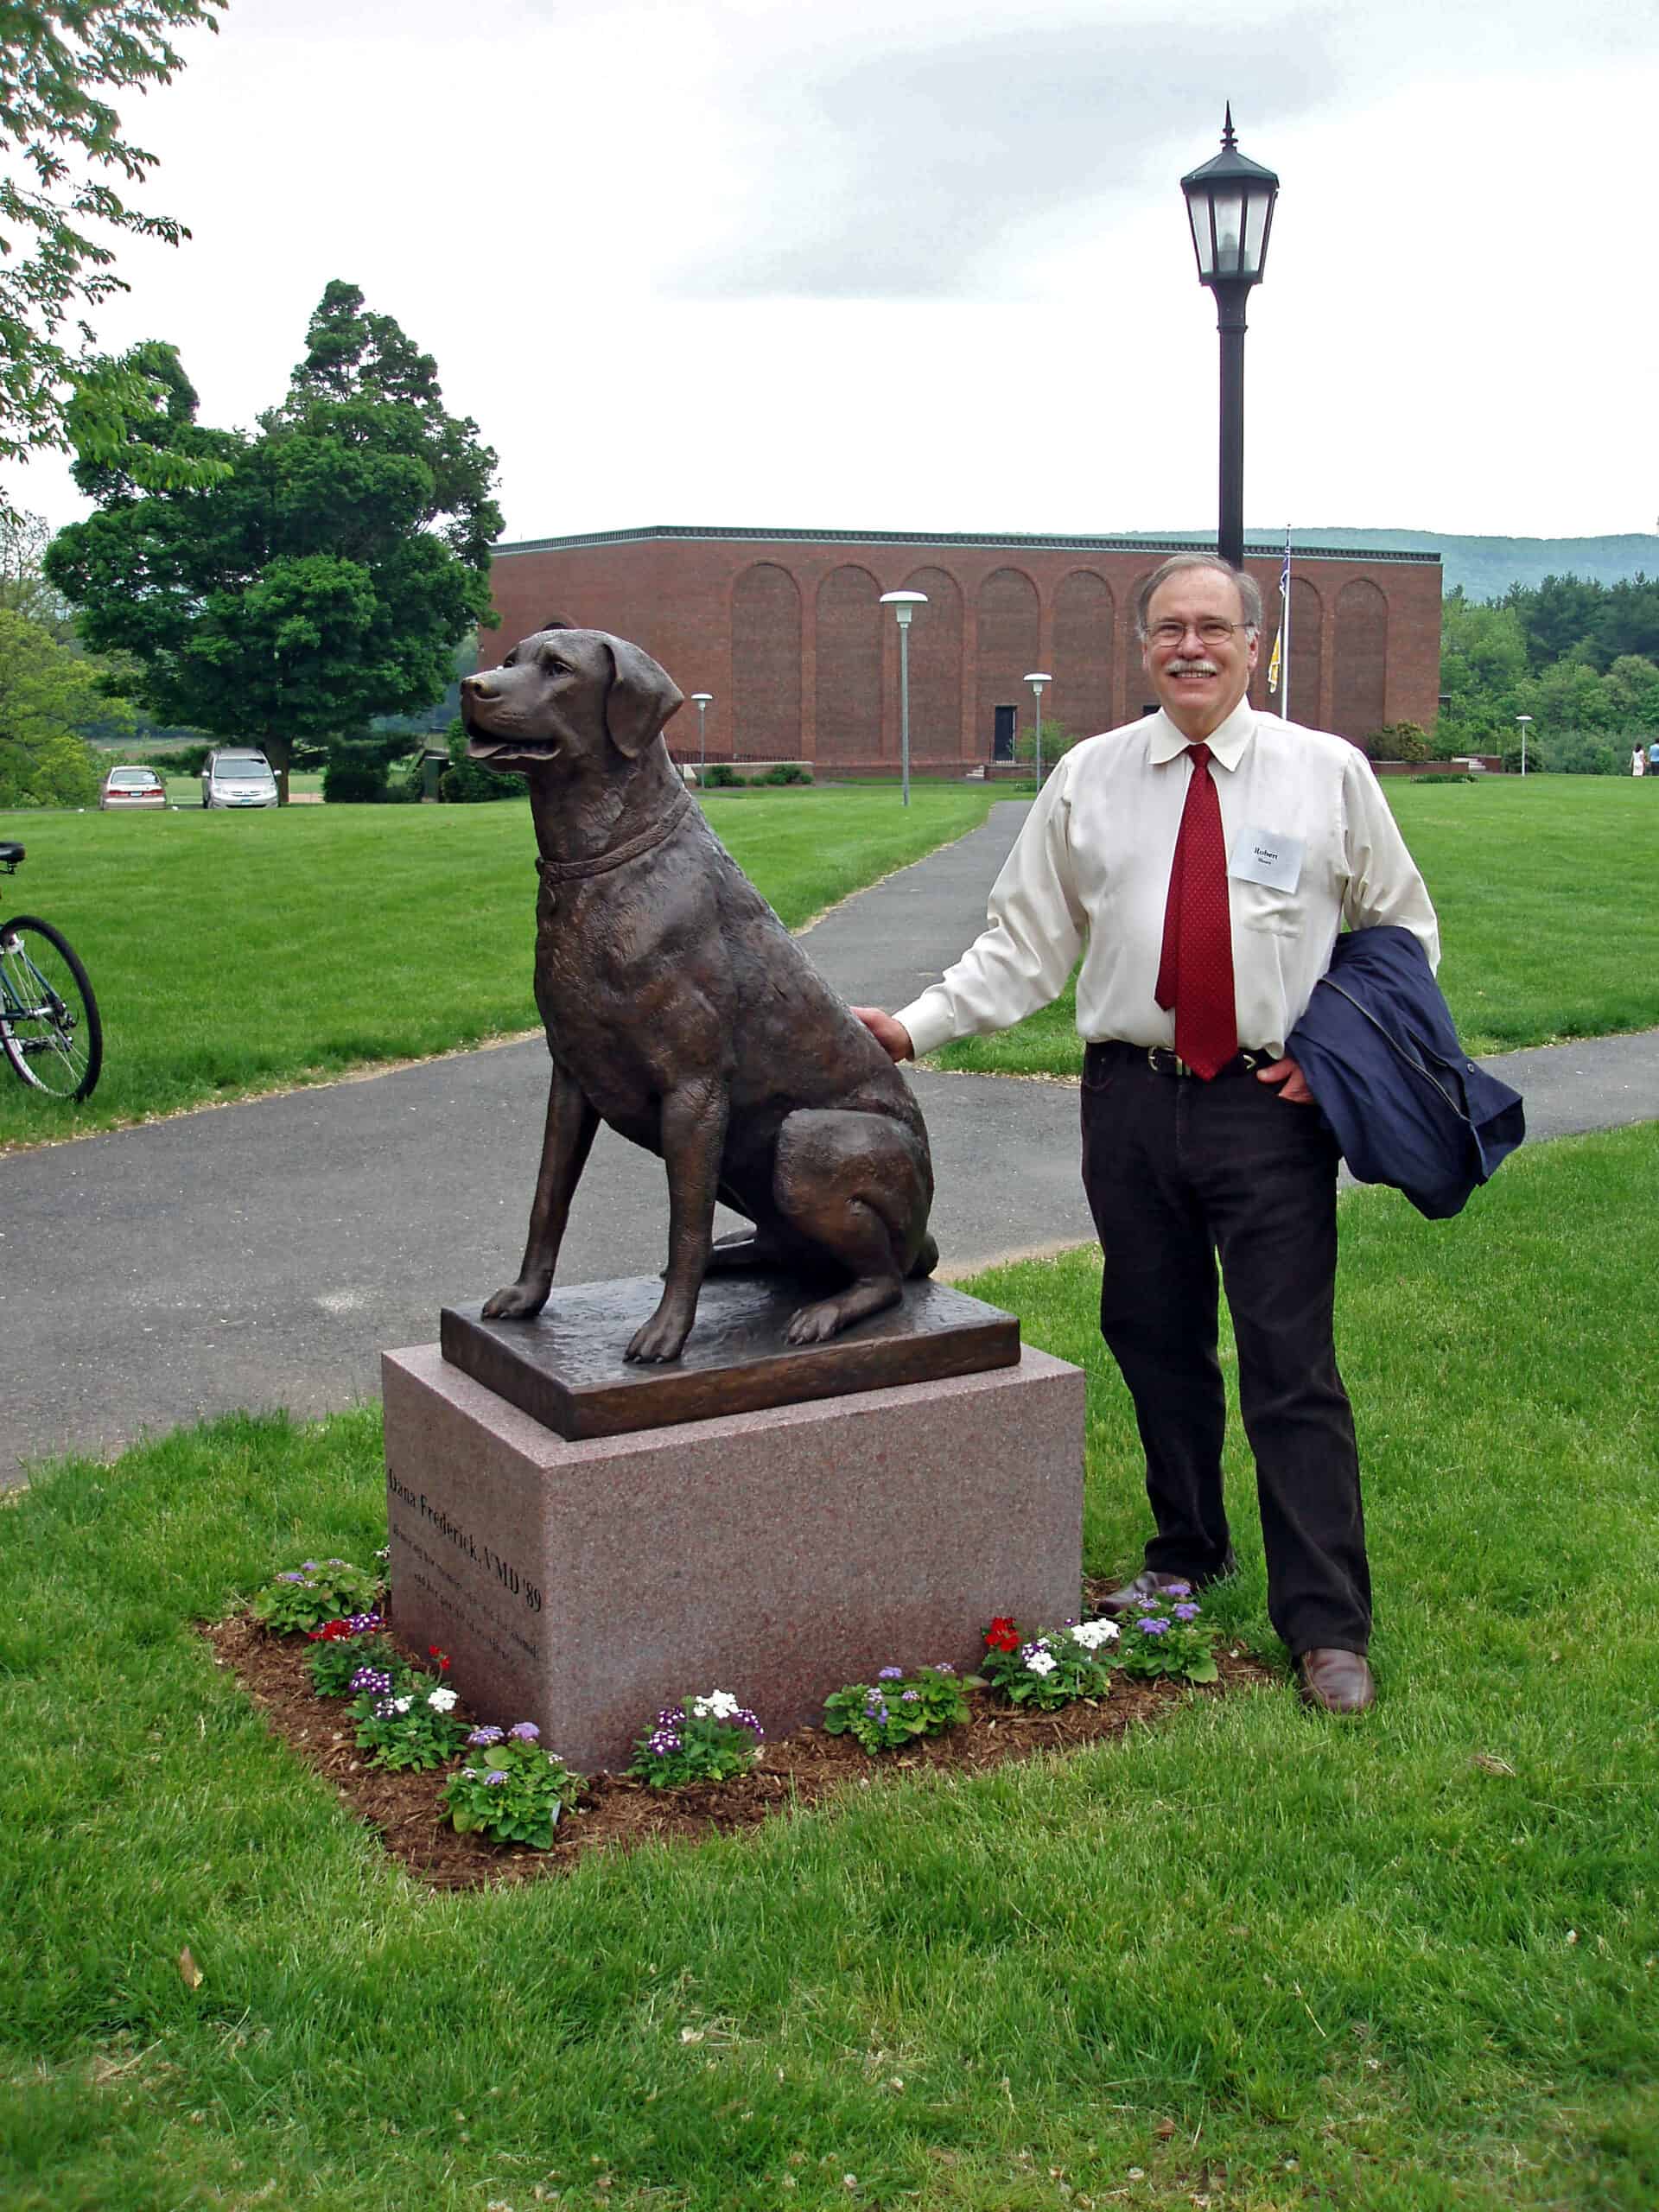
(641, 698)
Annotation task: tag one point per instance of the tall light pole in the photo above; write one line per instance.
(1230, 204)
(702, 701)
(1523, 720)
(1037, 680)
(904, 604)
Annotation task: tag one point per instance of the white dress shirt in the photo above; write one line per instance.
(1090, 874)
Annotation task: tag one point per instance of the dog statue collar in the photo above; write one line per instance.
(570, 871)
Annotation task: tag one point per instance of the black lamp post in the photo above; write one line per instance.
(1230, 205)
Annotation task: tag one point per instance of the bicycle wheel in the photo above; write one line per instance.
(49, 1028)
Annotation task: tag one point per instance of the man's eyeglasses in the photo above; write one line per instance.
(1212, 630)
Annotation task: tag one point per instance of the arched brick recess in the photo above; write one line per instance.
(765, 665)
(935, 667)
(1007, 650)
(1360, 699)
(1080, 700)
(1307, 653)
(1137, 684)
(849, 666)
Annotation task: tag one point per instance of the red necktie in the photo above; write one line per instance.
(1195, 975)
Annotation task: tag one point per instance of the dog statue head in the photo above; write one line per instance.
(561, 698)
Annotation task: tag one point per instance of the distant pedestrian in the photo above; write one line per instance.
(1638, 762)
(1653, 758)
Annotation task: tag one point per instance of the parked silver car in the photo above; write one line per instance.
(235, 775)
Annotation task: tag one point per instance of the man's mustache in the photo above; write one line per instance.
(1193, 668)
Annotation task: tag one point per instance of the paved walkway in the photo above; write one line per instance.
(266, 1254)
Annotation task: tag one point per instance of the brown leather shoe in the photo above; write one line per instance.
(1147, 1583)
(1335, 1682)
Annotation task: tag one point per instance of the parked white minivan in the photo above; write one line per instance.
(235, 775)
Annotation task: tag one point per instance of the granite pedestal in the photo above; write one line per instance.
(583, 1584)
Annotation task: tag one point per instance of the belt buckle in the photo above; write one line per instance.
(1162, 1061)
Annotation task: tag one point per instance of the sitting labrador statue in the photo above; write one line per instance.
(679, 1010)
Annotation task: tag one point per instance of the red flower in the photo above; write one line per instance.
(433, 1652)
(1002, 1635)
(330, 1632)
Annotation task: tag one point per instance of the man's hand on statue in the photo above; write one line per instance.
(892, 1036)
(1286, 1072)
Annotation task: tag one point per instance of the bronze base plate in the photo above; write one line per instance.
(565, 1368)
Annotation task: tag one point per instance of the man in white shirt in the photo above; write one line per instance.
(1202, 860)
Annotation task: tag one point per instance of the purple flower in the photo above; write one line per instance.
(891, 1675)
(911, 1697)
(523, 1732)
(292, 1575)
(875, 1706)
(1178, 1589)
(663, 1742)
(371, 1681)
(362, 1624)
(498, 1775)
(484, 1736)
(1186, 1612)
(309, 1565)
(1153, 1628)
(745, 1718)
(945, 1668)
(1150, 1605)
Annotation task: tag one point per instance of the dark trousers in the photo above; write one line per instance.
(1179, 1172)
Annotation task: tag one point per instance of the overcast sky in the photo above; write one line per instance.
(926, 266)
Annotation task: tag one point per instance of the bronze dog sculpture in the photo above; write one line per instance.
(679, 1010)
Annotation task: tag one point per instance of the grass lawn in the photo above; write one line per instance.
(236, 952)
(1254, 1961)
(1548, 892)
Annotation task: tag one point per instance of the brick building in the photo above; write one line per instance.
(784, 628)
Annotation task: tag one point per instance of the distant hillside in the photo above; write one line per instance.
(1486, 566)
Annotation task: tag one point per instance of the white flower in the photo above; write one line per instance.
(1092, 1634)
(719, 1705)
(402, 1704)
(1038, 1662)
(443, 1701)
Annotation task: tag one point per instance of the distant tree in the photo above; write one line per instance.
(1632, 687)
(1398, 741)
(1483, 660)
(1555, 615)
(23, 586)
(47, 693)
(60, 204)
(326, 579)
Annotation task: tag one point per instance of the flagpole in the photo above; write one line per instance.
(1284, 630)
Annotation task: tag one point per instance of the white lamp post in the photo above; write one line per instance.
(1523, 720)
(702, 701)
(904, 604)
(1037, 679)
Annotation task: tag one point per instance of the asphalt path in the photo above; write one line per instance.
(264, 1253)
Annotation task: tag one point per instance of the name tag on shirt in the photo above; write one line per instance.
(1260, 856)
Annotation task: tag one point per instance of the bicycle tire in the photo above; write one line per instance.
(49, 1026)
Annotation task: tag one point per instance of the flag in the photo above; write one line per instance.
(1274, 662)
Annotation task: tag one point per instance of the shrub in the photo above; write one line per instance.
(1398, 741)
(469, 783)
(786, 771)
(722, 777)
(355, 776)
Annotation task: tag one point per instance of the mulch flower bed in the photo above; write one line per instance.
(618, 1814)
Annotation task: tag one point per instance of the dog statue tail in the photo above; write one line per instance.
(925, 1261)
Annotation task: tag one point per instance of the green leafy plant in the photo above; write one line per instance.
(1055, 1668)
(406, 1719)
(786, 771)
(898, 1707)
(315, 1591)
(515, 1793)
(703, 1739)
(723, 777)
(1168, 1634)
(343, 1647)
